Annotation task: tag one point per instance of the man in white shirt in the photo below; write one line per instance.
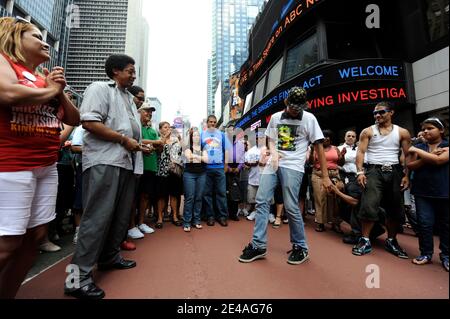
(349, 150)
(289, 133)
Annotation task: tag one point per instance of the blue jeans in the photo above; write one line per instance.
(194, 184)
(215, 181)
(290, 183)
(430, 211)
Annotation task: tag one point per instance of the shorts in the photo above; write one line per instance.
(27, 199)
(251, 194)
(382, 190)
(148, 184)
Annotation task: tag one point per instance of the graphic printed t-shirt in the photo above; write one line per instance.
(291, 138)
(253, 156)
(213, 142)
(29, 135)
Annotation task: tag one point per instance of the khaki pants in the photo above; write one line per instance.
(327, 209)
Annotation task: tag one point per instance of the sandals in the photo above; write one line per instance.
(159, 225)
(277, 222)
(320, 228)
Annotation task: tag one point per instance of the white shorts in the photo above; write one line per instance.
(27, 199)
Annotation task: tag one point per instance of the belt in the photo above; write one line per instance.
(349, 174)
(384, 167)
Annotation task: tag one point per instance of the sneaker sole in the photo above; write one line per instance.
(298, 262)
(361, 254)
(253, 259)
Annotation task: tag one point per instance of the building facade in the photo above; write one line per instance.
(232, 20)
(106, 27)
(157, 115)
(51, 17)
(348, 59)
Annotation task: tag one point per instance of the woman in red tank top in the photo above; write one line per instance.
(32, 108)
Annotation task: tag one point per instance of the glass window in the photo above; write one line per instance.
(274, 76)
(232, 30)
(248, 102)
(259, 91)
(302, 56)
(437, 16)
(252, 11)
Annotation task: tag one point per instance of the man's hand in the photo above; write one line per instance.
(362, 180)
(131, 145)
(344, 151)
(404, 184)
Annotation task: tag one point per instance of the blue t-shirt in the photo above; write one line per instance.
(431, 180)
(213, 142)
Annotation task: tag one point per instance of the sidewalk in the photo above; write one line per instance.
(204, 264)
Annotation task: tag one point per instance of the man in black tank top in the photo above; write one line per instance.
(383, 178)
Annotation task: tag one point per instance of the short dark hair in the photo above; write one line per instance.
(135, 90)
(212, 117)
(385, 104)
(117, 62)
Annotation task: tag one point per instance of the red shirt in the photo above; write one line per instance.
(29, 135)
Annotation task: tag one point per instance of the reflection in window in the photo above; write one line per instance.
(259, 91)
(274, 76)
(437, 16)
(302, 56)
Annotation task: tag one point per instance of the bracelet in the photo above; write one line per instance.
(360, 173)
(122, 139)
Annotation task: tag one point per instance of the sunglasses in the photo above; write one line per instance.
(21, 20)
(380, 112)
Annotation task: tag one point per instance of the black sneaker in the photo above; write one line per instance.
(297, 256)
(251, 253)
(394, 248)
(362, 248)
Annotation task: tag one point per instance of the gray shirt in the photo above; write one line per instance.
(104, 102)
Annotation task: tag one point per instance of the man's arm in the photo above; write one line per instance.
(346, 198)
(105, 133)
(362, 149)
(405, 141)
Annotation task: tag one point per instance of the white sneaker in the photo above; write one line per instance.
(135, 233)
(271, 219)
(252, 216)
(75, 236)
(244, 212)
(49, 247)
(145, 229)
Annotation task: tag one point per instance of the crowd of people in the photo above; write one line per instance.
(119, 175)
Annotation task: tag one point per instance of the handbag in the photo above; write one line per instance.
(176, 169)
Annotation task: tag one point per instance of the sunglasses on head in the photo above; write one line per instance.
(21, 20)
(381, 112)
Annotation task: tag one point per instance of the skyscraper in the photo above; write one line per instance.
(106, 27)
(232, 20)
(50, 17)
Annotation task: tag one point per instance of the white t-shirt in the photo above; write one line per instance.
(350, 158)
(292, 137)
(253, 156)
(77, 139)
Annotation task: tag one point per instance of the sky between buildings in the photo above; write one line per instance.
(179, 48)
